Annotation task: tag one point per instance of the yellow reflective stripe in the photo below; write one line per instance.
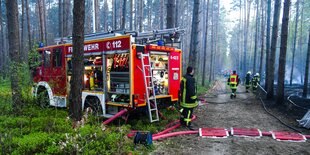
(184, 88)
(189, 105)
(233, 77)
(194, 97)
(188, 119)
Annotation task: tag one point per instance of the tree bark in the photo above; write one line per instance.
(267, 43)
(245, 46)
(77, 60)
(141, 15)
(41, 22)
(105, 15)
(194, 35)
(205, 41)
(282, 58)
(28, 26)
(136, 14)
(271, 65)
(295, 37)
(212, 42)
(2, 53)
(161, 8)
(66, 14)
(262, 39)
(60, 17)
(131, 15)
(124, 14)
(170, 14)
(14, 52)
(22, 51)
(256, 36)
(305, 89)
(97, 16)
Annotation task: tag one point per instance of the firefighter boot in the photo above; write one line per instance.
(231, 95)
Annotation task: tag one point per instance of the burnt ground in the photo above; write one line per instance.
(246, 111)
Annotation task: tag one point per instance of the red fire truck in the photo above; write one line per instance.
(122, 70)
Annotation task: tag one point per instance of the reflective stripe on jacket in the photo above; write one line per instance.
(188, 98)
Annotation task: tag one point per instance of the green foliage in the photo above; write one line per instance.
(202, 90)
(34, 57)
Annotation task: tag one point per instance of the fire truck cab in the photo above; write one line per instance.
(113, 72)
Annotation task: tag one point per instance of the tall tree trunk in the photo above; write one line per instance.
(60, 17)
(66, 15)
(136, 14)
(162, 4)
(28, 26)
(305, 90)
(212, 42)
(283, 48)
(2, 53)
(14, 52)
(141, 15)
(77, 60)
(131, 15)
(194, 36)
(262, 39)
(40, 6)
(267, 43)
(114, 15)
(105, 15)
(177, 6)
(97, 16)
(170, 14)
(44, 21)
(240, 37)
(124, 15)
(149, 14)
(256, 36)
(271, 65)
(205, 41)
(300, 40)
(245, 46)
(295, 37)
(22, 51)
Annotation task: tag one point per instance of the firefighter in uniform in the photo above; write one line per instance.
(188, 98)
(255, 81)
(247, 81)
(233, 82)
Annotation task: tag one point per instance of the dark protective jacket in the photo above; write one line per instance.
(188, 98)
(248, 80)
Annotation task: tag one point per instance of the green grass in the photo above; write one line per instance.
(49, 131)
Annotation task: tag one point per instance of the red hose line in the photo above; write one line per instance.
(266, 133)
(172, 134)
(122, 112)
(307, 136)
(133, 132)
(167, 130)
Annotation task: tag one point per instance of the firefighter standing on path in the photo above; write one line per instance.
(233, 82)
(188, 98)
(247, 81)
(255, 81)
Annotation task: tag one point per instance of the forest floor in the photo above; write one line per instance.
(246, 111)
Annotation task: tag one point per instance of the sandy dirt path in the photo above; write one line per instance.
(245, 111)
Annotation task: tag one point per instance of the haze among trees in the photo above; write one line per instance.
(270, 37)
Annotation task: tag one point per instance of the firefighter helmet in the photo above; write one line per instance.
(249, 72)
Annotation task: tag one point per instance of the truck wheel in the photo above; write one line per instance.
(94, 104)
(43, 98)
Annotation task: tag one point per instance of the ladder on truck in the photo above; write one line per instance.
(149, 86)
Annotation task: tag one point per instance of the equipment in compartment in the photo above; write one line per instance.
(119, 78)
(160, 73)
(93, 75)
